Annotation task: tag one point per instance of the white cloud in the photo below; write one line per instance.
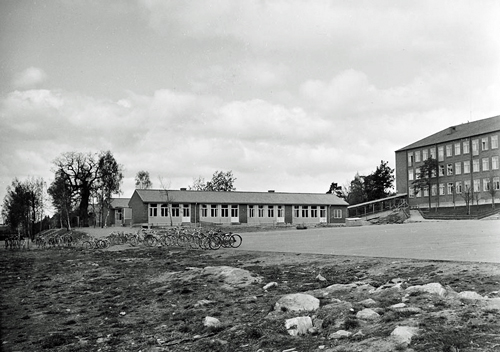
(30, 78)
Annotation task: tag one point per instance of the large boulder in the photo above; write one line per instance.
(297, 302)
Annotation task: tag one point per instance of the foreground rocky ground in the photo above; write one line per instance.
(157, 299)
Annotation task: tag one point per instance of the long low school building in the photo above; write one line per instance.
(175, 207)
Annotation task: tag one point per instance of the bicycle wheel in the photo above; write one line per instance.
(87, 245)
(214, 242)
(150, 241)
(235, 240)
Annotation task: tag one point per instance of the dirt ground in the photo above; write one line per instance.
(158, 299)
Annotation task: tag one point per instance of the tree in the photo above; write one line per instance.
(62, 198)
(23, 205)
(467, 196)
(379, 183)
(356, 192)
(337, 190)
(167, 196)
(221, 182)
(424, 178)
(142, 180)
(108, 181)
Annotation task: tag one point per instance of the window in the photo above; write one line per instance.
(458, 187)
(475, 165)
(465, 146)
(213, 211)
(224, 211)
(261, 211)
(417, 173)
(175, 210)
(164, 210)
(477, 185)
(410, 175)
(425, 154)
(434, 190)
(305, 211)
(449, 150)
(475, 146)
(410, 159)
(467, 186)
(433, 153)
(496, 183)
(458, 168)
(185, 210)
(411, 192)
(441, 189)
(494, 142)
(486, 184)
(314, 211)
(322, 212)
(270, 211)
(204, 211)
(484, 143)
(234, 211)
(426, 191)
(153, 209)
(440, 153)
(449, 188)
(441, 170)
(251, 211)
(417, 156)
(457, 148)
(296, 211)
(466, 166)
(337, 213)
(486, 164)
(280, 211)
(449, 169)
(494, 162)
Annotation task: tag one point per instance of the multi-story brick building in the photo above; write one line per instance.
(468, 160)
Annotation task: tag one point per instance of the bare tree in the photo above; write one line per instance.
(467, 196)
(167, 196)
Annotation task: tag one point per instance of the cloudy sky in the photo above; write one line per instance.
(289, 95)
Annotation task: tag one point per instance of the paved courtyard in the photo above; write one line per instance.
(464, 240)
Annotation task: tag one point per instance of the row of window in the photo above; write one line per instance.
(454, 149)
(213, 210)
(451, 169)
(459, 187)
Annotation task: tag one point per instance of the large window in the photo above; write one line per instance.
(175, 210)
(322, 212)
(417, 156)
(465, 146)
(153, 209)
(314, 211)
(213, 211)
(457, 148)
(296, 211)
(441, 189)
(486, 164)
(440, 153)
(426, 192)
(475, 146)
(337, 213)
(185, 210)
(204, 211)
(305, 211)
(475, 165)
(466, 166)
(458, 187)
(486, 184)
(449, 169)
(270, 211)
(410, 175)
(484, 143)
(494, 142)
(495, 162)
(477, 185)
(434, 190)
(441, 170)
(449, 150)
(467, 187)
(224, 211)
(458, 168)
(234, 211)
(425, 154)
(433, 153)
(449, 188)
(251, 211)
(261, 211)
(496, 183)
(280, 211)
(410, 159)
(164, 210)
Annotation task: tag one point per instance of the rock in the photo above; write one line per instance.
(492, 304)
(434, 288)
(367, 314)
(234, 277)
(341, 334)
(297, 302)
(203, 302)
(368, 303)
(339, 289)
(469, 296)
(298, 326)
(403, 334)
(320, 278)
(211, 322)
(269, 285)
(397, 306)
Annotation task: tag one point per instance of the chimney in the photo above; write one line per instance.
(183, 189)
(271, 191)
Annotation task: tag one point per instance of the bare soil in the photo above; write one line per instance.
(156, 299)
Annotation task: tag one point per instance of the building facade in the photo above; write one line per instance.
(468, 165)
(119, 212)
(166, 207)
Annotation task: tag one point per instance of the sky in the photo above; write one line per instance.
(288, 95)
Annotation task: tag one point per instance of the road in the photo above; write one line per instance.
(464, 240)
